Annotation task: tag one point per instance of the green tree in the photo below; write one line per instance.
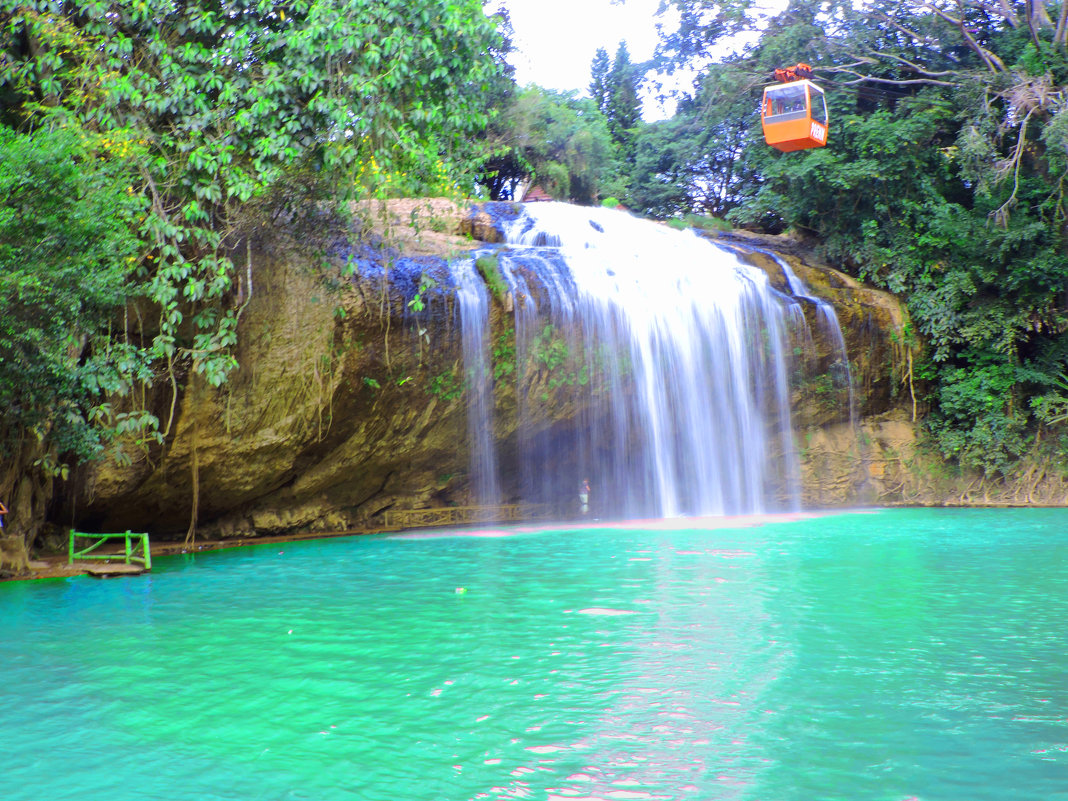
(695, 161)
(623, 106)
(230, 114)
(559, 141)
(501, 168)
(600, 68)
(67, 255)
(255, 103)
(701, 28)
(943, 181)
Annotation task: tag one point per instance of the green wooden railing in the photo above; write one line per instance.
(137, 548)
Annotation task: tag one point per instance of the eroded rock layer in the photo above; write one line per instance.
(350, 399)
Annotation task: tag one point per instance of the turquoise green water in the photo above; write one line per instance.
(898, 655)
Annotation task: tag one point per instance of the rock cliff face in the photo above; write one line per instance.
(350, 396)
(340, 408)
(851, 420)
(880, 456)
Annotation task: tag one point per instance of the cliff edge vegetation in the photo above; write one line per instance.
(196, 128)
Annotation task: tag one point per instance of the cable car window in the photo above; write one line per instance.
(819, 106)
(786, 103)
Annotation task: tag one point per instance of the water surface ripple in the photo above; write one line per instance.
(894, 655)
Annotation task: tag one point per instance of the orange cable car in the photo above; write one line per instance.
(794, 114)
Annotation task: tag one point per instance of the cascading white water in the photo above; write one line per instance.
(665, 354)
(473, 301)
(841, 371)
(831, 327)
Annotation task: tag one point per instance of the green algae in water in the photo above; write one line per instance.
(895, 655)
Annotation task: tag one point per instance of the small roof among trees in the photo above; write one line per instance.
(536, 194)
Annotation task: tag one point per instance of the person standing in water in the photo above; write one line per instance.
(584, 497)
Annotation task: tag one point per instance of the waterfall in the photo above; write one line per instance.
(473, 301)
(841, 372)
(649, 361)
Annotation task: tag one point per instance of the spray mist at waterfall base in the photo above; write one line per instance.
(707, 523)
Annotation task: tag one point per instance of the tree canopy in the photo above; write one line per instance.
(944, 181)
(615, 91)
(559, 141)
(67, 256)
(236, 102)
(217, 116)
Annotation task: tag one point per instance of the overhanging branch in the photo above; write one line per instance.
(890, 81)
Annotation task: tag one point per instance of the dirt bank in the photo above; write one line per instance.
(55, 565)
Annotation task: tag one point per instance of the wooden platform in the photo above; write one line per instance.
(111, 569)
(135, 558)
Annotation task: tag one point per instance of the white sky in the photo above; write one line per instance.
(555, 40)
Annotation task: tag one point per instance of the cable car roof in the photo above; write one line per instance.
(783, 87)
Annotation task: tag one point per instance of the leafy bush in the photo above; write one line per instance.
(504, 355)
(705, 223)
(977, 420)
(446, 386)
(490, 269)
(67, 256)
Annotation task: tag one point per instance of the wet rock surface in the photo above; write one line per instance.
(349, 399)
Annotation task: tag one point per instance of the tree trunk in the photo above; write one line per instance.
(25, 490)
(1062, 25)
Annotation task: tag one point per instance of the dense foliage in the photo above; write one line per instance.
(944, 181)
(614, 90)
(696, 161)
(67, 251)
(557, 140)
(219, 116)
(243, 101)
(574, 148)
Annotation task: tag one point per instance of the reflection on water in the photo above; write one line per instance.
(898, 655)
